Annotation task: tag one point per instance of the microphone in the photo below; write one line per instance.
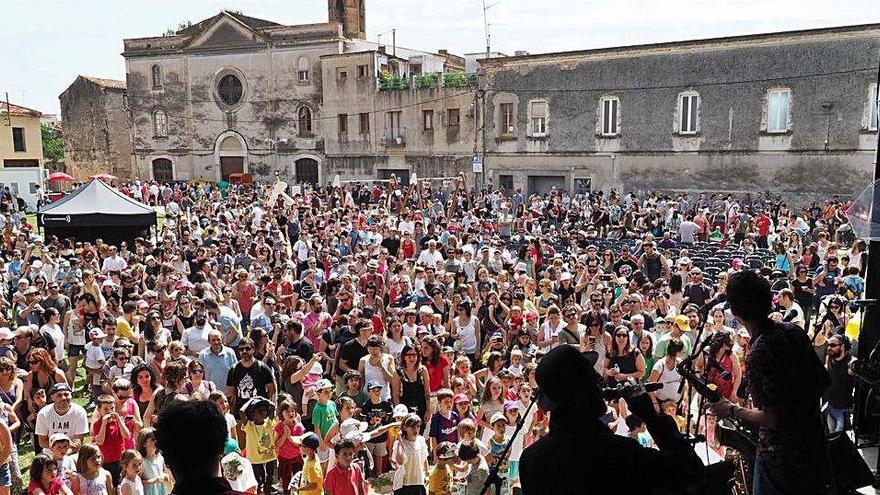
(627, 390)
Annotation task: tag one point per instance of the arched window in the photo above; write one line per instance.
(305, 121)
(160, 123)
(302, 69)
(157, 77)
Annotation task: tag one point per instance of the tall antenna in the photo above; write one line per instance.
(486, 26)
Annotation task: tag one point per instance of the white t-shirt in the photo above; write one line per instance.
(72, 424)
(57, 335)
(670, 380)
(196, 339)
(94, 356)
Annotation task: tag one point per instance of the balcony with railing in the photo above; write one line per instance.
(395, 137)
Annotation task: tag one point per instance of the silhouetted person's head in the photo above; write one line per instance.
(568, 383)
(749, 296)
(191, 436)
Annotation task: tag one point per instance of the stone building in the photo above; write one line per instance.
(236, 94)
(97, 134)
(403, 114)
(792, 112)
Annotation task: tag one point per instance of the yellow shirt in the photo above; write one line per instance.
(311, 473)
(260, 440)
(440, 480)
(123, 328)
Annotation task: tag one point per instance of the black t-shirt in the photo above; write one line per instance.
(302, 348)
(249, 381)
(804, 298)
(377, 415)
(392, 245)
(624, 268)
(351, 354)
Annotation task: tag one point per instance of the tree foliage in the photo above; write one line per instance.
(180, 27)
(53, 145)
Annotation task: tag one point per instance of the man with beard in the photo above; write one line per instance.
(249, 377)
(840, 393)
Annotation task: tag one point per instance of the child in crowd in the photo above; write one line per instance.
(287, 430)
(258, 427)
(516, 359)
(132, 466)
(154, 475)
(38, 395)
(444, 422)
(463, 407)
(59, 445)
(45, 479)
(467, 433)
(353, 388)
(470, 455)
(497, 443)
(441, 478)
(671, 409)
(345, 477)
(109, 432)
(311, 479)
(377, 413)
(91, 477)
(95, 362)
(219, 399)
(324, 417)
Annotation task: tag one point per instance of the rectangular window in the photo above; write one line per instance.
(363, 71)
(778, 106)
(689, 105)
(508, 127)
(364, 123)
(303, 76)
(873, 111)
(343, 123)
(18, 143)
(538, 118)
(33, 187)
(341, 73)
(610, 108)
(452, 117)
(506, 182)
(428, 120)
(394, 125)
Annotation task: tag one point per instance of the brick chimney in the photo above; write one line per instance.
(351, 14)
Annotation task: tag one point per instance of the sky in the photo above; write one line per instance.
(45, 44)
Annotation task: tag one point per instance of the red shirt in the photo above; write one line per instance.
(345, 481)
(763, 224)
(281, 288)
(435, 372)
(114, 444)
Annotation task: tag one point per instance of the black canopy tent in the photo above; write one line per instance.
(97, 211)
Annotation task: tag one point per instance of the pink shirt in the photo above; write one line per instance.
(288, 450)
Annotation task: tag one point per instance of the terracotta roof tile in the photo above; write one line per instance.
(106, 83)
(19, 110)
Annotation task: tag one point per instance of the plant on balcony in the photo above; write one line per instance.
(427, 81)
(388, 80)
(458, 80)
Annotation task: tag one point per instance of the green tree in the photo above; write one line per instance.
(53, 145)
(180, 27)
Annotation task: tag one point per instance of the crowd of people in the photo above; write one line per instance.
(382, 336)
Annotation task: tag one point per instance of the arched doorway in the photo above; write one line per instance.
(163, 171)
(307, 171)
(231, 157)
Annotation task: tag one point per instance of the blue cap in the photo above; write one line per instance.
(374, 384)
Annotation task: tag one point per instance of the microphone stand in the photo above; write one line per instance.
(688, 364)
(493, 477)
